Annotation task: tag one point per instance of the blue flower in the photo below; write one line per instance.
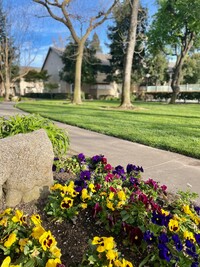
(53, 168)
(195, 264)
(160, 219)
(164, 252)
(131, 167)
(163, 238)
(96, 159)
(149, 237)
(197, 237)
(80, 185)
(85, 175)
(177, 242)
(191, 249)
(81, 157)
(119, 170)
(197, 209)
(133, 180)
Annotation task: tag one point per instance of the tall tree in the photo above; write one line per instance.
(70, 20)
(118, 35)
(90, 65)
(176, 30)
(7, 54)
(128, 60)
(11, 25)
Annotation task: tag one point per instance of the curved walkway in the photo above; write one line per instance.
(178, 172)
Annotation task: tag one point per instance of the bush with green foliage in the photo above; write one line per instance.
(26, 124)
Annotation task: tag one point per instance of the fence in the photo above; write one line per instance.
(167, 88)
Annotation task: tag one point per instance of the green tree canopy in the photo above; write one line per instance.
(191, 69)
(156, 68)
(118, 35)
(90, 66)
(34, 76)
(175, 31)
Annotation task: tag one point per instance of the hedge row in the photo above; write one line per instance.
(165, 96)
(48, 95)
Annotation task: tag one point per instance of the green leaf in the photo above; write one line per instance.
(30, 263)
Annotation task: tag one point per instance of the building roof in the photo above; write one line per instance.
(59, 51)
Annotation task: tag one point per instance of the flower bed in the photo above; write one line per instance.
(157, 229)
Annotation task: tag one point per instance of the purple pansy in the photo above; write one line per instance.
(149, 237)
(81, 157)
(85, 175)
(177, 242)
(164, 252)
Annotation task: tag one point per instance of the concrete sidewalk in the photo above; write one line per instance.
(178, 172)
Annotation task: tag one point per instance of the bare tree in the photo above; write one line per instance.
(13, 37)
(125, 100)
(64, 12)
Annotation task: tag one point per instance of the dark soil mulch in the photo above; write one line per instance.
(72, 237)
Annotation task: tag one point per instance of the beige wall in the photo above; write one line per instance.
(29, 87)
(54, 65)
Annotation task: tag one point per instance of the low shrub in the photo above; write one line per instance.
(49, 95)
(25, 124)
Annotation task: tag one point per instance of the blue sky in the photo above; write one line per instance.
(45, 32)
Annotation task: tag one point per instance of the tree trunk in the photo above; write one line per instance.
(126, 85)
(77, 82)
(176, 77)
(175, 84)
(7, 72)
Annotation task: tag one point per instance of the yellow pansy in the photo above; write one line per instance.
(85, 195)
(19, 217)
(92, 186)
(52, 262)
(35, 218)
(56, 187)
(37, 231)
(56, 252)
(126, 263)
(66, 203)
(4, 221)
(164, 212)
(22, 243)
(97, 240)
(5, 212)
(187, 210)
(11, 240)
(6, 262)
(110, 205)
(120, 204)
(72, 192)
(189, 236)
(71, 184)
(111, 196)
(84, 205)
(47, 240)
(108, 244)
(112, 255)
(121, 195)
(173, 225)
(196, 219)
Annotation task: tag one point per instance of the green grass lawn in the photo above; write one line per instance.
(169, 127)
